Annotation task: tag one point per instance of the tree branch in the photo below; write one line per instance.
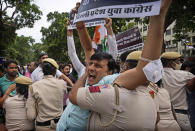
(1, 6)
(13, 14)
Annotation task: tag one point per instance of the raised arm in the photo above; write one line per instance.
(85, 40)
(84, 37)
(152, 50)
(112, 45)
(79, 67)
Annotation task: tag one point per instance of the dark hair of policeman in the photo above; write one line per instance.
(105, 56)
(131, 64)
(48, 69)
(22, 90)
(7, 63)
(166, 62)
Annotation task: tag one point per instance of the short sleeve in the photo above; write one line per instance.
(190, 75)
(30, 106)
(96, 98)
(58, 73)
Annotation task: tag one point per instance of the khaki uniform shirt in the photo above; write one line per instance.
(16, 118)
(174, 81)
(167, 121)
(48, 95)
(136, 109)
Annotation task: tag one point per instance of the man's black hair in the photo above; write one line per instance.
(8, 62)
(42, 54)
(187, 64)
(96, 50)
(63, 66)
(105, 56)
(22, 90)
(48, 69)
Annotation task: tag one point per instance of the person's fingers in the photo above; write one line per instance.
(74, 11)
(67, 22)
(13, 87)
(107, 20)
(77, 5)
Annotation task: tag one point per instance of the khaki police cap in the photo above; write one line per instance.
(170, 55)
(23, 80)
(135, 55)
(51, 61)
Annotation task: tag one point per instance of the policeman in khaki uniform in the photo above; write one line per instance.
(45, 103)
(117, 111)
(15, 106)
(167, 120)
(175, 81)
(131, 62)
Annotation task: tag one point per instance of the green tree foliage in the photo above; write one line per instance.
(21, 50)
(36, 49)
(15, 14)
(183, 12)
(55, 38)
(120, 25)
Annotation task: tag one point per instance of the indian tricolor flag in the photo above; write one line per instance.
(100, 38)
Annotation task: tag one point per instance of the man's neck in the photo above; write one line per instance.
(11, 78)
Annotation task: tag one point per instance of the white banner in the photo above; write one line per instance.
(88, 23)
(92, 9)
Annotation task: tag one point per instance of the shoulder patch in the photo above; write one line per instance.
(152, 93)
(94, 89)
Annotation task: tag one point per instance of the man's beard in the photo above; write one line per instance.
(12, 74)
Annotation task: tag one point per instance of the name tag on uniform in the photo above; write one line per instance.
(95, 89)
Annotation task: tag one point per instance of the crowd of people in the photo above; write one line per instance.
(146, 91)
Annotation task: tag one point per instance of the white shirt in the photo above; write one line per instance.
(112, 46)
(79, 67)
(175, 81)
(37, 74)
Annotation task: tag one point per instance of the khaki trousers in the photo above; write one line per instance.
(51, 127)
